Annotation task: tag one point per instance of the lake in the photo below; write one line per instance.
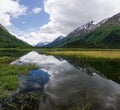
(60, 85)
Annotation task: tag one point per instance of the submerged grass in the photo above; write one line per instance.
(9, 80)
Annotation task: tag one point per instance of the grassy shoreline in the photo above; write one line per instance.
(9, 74)
(106, 62)
(109, 54)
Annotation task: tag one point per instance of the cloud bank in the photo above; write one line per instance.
(10, 9)
(64, 16)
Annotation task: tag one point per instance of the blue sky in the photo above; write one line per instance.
(37, 21)
(31, 20)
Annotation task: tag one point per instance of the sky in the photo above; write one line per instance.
(44, 20)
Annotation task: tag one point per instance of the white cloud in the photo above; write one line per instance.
(66, 15)
(32, 36)
(36, 10)
(10, 9)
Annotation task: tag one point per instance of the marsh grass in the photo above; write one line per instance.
(87, 54)
(107, 62)
(9, 80)
(13, 52)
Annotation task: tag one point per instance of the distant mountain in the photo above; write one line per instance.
(90, 26)
(1, 26)
(73, 36)
(7, 40)
(58, 39)
(54, 42)
(41, 44)
(105, 34)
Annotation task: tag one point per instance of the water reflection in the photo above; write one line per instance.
(35, 81)
(69, 88)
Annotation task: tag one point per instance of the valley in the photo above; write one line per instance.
(79, 71)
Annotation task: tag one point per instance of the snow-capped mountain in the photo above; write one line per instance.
(47, 44)
(92, 25)
(114, 19)
(41, 44)
(105, 33)
(58, 39)
(101, 34)
(83, 29)
(54, 42)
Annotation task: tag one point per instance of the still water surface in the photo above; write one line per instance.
(65, 87)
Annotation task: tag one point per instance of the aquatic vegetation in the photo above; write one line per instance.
(13, 52)
(106, 62)
(9, 75)
(25, 101)
(88, 53)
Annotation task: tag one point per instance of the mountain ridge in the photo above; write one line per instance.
(104, 34)
(41, 44)
(59, 38)
(8, 40)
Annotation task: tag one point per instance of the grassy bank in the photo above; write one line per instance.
(9, 80)
(106, 54)
(106, 62)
